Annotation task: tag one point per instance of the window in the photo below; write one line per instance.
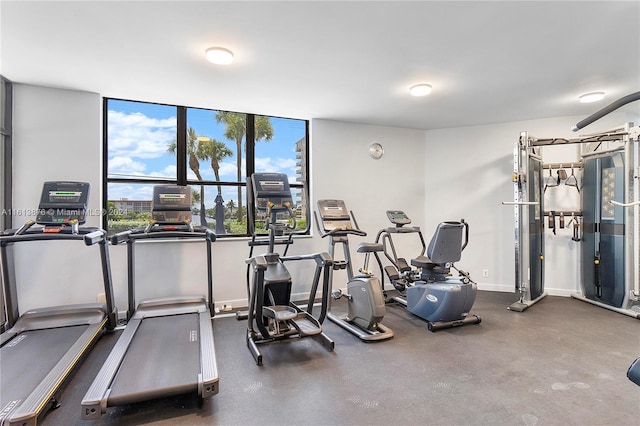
(211, 151)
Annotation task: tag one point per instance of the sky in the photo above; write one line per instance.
(140, 133)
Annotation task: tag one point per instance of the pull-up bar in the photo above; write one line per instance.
(606, 110)
(617, 203)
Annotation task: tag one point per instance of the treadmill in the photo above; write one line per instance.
(167, 346)
(43, 346)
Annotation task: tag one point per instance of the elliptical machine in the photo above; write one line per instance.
(272, 315)
(428, 290)
(364, 291)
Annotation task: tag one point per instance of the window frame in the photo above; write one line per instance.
(182, 168)
(6, 130)
(6, 155)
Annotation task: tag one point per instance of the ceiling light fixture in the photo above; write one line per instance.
(591, 97)
(219, 55)
(420, 90)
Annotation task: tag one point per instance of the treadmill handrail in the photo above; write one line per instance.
(90, 236)
(139, 234)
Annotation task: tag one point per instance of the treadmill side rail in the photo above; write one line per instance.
(98, 398)
(208, 381)
(37, 402)
(94, 403)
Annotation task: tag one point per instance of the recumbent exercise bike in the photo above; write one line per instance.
(426, 287)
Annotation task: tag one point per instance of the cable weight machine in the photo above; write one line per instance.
(608, 221)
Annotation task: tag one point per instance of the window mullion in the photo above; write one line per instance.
(181, 145)
(250, 149)
(250, 142)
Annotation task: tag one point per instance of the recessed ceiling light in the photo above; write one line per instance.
(591, 97)
(420, 90)
(219, 55)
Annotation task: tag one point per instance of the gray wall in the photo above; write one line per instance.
(434, 175)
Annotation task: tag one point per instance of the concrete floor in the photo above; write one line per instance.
(562, 362)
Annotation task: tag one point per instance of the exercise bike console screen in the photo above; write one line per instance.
(272, 188)
(398, 217)
(334, 215)
(63, 202)
(171, 204)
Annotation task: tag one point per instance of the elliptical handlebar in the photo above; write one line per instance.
(271, 217)
(342, 232)
(466, 234)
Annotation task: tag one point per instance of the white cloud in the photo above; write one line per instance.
(168, 172)
(130, 192)
(126, 166)
(207, 172)
(277, 165)
(136, 135)
(228, 171)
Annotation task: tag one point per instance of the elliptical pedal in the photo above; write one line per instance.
(306, 324)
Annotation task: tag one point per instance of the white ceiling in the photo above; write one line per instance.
(352, 61)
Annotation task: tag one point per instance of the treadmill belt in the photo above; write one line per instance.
(27, 358)
(163, 359)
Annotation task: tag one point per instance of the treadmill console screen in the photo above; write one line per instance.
(63, 202)
(334, 215)
(171, 204)
(271, 188)
(398, 217)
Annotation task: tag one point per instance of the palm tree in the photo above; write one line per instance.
(194, 165)
(231, 205)
(215, 151)
(195, 197)
(236, 130)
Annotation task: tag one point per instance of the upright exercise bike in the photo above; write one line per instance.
(364, 291)
(272, 315)
(426, 287)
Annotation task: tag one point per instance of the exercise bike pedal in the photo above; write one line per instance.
(400, 285)
(403, 266)
(339, 264)
(392, 273)
(337, 294)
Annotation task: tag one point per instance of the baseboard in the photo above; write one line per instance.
(240, 304)
(564, 292)
(231, 305)
(496, 287)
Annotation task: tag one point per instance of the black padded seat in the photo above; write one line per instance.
(422, 262)
(369, 247)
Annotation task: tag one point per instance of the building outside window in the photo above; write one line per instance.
(212, 151)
